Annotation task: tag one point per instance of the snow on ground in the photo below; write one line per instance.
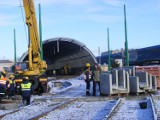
(82, 111)
(67, 84)
(130, 110)
(41, 107)
(156, 102)
(30, 111)
(5, 111)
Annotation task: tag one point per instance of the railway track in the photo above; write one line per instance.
(74, 99)
(127, 109)
(156, 105)
(113, 108)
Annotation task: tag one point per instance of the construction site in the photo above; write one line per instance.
(60, 78)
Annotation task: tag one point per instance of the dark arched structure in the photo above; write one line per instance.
(65, 52)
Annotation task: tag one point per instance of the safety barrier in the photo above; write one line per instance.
(127, 80)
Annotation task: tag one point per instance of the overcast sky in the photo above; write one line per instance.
(84, 20)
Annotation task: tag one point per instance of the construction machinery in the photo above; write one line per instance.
(34, 67)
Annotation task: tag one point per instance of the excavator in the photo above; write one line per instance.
(34, 68)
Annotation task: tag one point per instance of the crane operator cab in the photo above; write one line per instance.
(21, 66)
(39, 82)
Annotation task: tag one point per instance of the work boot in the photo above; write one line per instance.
(87, 93)
(12, 97)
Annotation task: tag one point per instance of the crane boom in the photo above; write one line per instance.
(32, 26)
(35, 66)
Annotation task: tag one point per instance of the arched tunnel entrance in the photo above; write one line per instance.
(64, 56)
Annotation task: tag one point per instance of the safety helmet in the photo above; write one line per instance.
(11, 76)
(25, 78)
(88, 65)
(4, 72)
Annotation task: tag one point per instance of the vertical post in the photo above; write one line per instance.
(15, 56)
(99, 54)
(109, 59)
(57, 45)
(40, 31)
(126, 41)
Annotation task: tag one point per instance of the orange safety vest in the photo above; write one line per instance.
(3, 80)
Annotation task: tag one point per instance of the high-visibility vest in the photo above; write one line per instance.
(26, 87)
(3, 80)
(11, 81)
(89, 74)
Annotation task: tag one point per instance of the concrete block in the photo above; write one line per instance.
(106, 83)
(127, 82)
(121, 79)
(115, 77)
(143, 79)
(154, 83)
(150, 81)
(133, 70)
(134, 85)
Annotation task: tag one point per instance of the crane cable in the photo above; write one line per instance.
(23, 20)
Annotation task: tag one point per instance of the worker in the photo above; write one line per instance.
(87, 78)
(11, 87)
(3, 84)
(96, 78)
(26, 91)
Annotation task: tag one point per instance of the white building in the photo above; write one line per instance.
(5, 64)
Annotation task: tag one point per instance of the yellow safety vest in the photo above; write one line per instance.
(10, 81)
(26, 87)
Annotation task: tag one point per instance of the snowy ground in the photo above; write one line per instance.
(82, 111)
(156, 102)
(130, 110)
(79, 110)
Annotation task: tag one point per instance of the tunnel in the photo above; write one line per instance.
(64, 56)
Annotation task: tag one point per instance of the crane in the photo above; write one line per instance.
(35, 67)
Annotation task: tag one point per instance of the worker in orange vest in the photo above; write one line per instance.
(3, 84)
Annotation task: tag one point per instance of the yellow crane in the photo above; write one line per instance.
(35, 67)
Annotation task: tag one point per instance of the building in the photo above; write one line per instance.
(4, 64)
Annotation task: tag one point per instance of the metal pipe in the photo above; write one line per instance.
(40, 32)
(15, 52)
(126, 41)
(109, 58)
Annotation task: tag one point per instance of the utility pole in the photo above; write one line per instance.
(15, 56)
(40, 31)
(126, 41)
(109, 59)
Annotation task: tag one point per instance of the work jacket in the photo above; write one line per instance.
(12, 85)
(26, 89)
(96, 74)
(87, 75)
(3, 81)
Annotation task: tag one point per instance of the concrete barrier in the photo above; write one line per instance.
(116, 82)
(143, 80)
(114, 79)
(154, 83)
(132, 68)
(106, 84)
(134, 85)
